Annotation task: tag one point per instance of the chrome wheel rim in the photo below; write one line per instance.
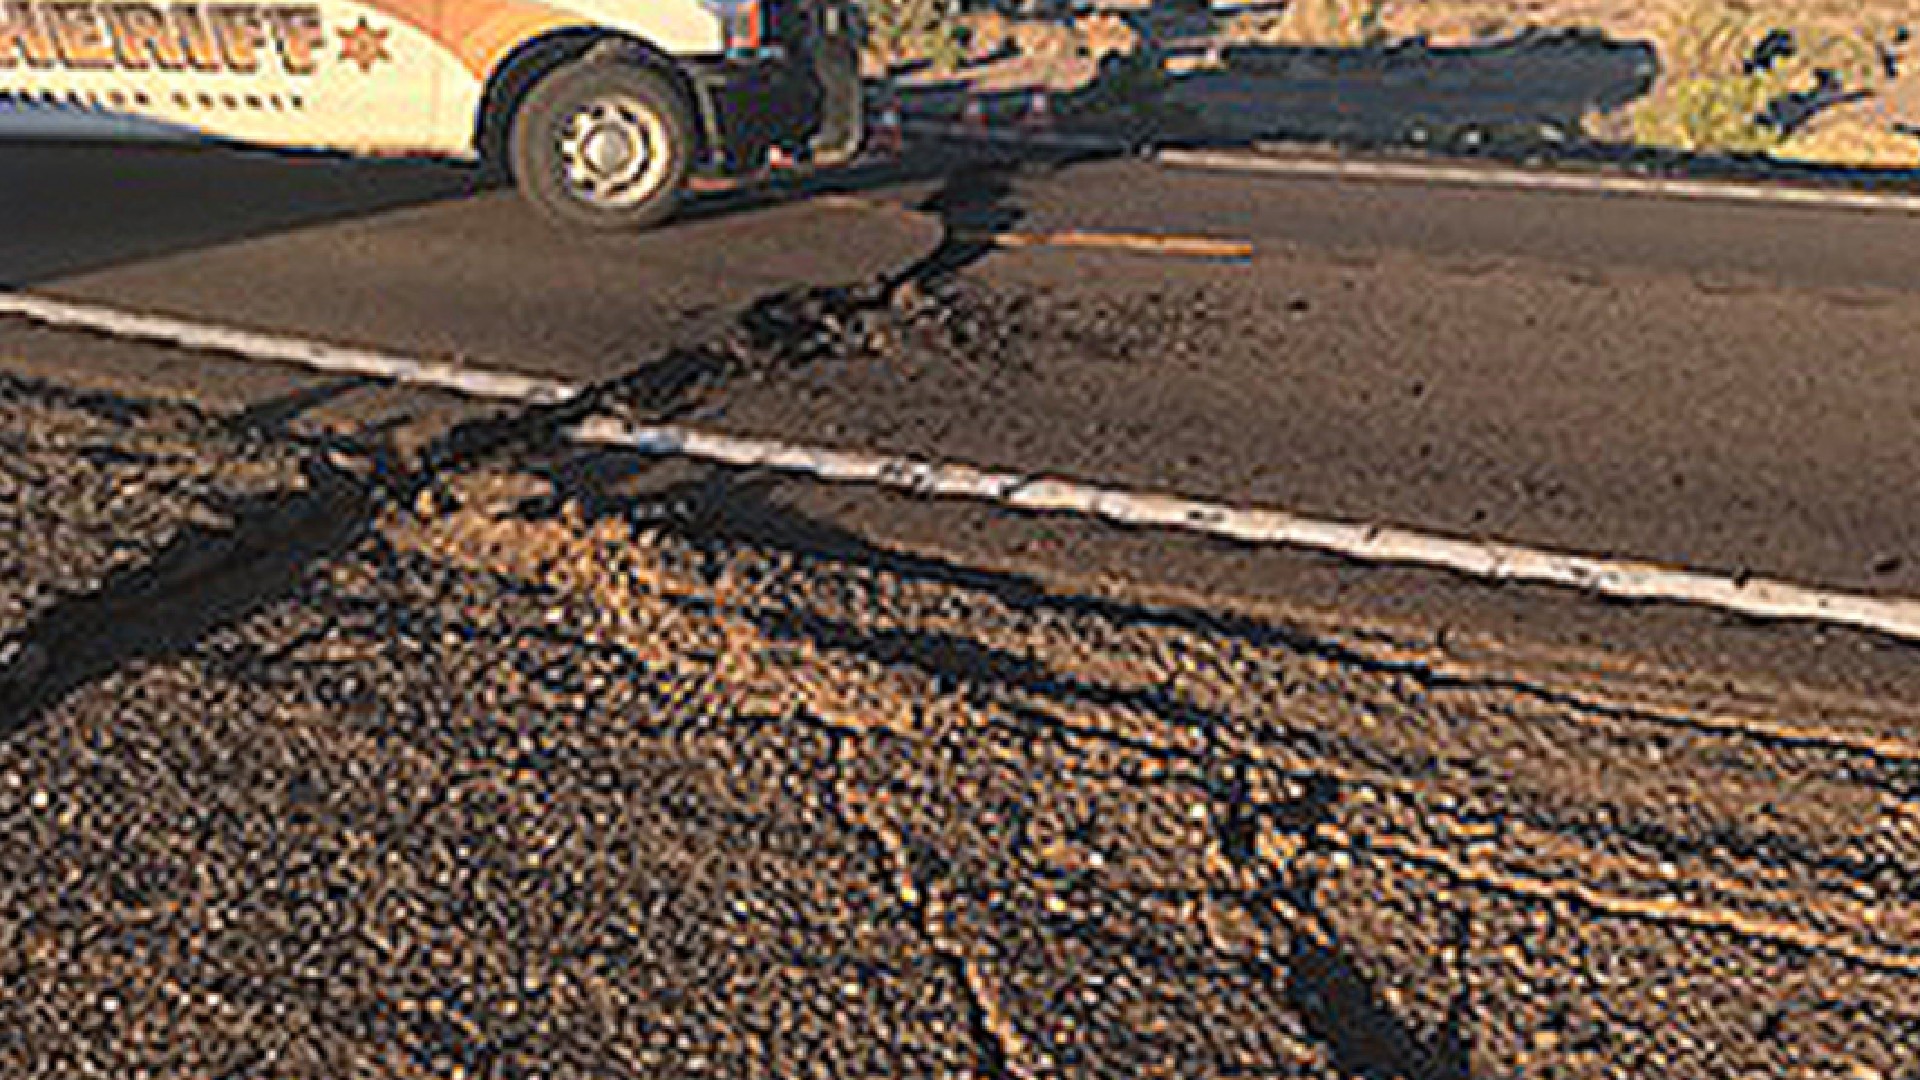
(614, 152)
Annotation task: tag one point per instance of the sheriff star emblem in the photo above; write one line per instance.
(365, 46)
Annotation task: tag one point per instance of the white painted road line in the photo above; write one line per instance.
(1465, 176)
(300, 352)
(1485, 559)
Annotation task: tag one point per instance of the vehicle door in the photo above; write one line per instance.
(329, 73)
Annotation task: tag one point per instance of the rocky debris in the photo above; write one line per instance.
(944, 323)
(949, 335)
(907, 331)
(516, 788)
(93, 485)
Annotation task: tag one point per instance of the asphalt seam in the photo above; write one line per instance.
(1489, 560)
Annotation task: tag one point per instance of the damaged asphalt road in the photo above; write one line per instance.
(335, 747)
(511, 768)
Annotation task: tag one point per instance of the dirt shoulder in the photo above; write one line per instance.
(97, 482)
(106, 499)
(517, 783)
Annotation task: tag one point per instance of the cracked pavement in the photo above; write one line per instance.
(352, 734)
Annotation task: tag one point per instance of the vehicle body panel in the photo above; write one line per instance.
(365, 76)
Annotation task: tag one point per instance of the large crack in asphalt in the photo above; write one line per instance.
(204, 579)
(209, 577)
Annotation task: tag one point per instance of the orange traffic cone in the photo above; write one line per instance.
(974, 118)
(1039, 117)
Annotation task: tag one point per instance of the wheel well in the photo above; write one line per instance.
(536, 58)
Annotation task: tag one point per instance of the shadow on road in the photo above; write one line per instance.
(74, 208)
(1542, 93)
(1194, 89)
(1530, 84)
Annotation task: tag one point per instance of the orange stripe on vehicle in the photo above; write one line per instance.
(478, 32)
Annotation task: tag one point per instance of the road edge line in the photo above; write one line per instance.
(285, 349)
(1491, 560)
(1467, 176)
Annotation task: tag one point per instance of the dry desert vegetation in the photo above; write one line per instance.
(1809, 79)
(1829, 81)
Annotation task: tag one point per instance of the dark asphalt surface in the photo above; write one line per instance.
(1729, 387)
(410, 257)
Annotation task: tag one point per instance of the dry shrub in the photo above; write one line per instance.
(1707, 99)
(1455, 32)
(1256, 27)
(902, 31)
(987, 33)
(1045, 39)
(1108, 35)
(1712, 114)
(1707, 38)
(1711, 96)
(1716, 37)
(1338, 23)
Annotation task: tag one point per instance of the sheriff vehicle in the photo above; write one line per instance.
(600, 111)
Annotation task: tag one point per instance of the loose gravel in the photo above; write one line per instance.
(509, 787)
(98, 490)
(91, 483)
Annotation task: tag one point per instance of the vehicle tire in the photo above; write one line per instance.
(601, 145)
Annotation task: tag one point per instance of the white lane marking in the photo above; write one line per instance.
(1488, 559)
(300, 352)
(1411, 172)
